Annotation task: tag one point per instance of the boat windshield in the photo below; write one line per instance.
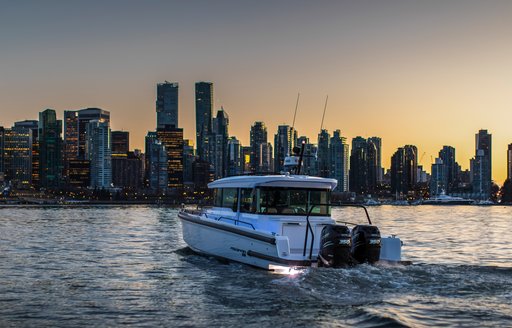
(293, 201)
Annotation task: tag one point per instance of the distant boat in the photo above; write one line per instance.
(444, 199)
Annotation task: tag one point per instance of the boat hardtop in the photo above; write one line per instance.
(283, 181)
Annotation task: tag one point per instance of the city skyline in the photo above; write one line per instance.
(411, 73)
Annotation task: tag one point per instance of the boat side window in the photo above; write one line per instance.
(230, 198)
(247, 200)
(320, 197)
(217, 197)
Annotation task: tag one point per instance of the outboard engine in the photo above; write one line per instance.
(335, 247)
(366, 243)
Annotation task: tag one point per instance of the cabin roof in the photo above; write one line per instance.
(286, 181)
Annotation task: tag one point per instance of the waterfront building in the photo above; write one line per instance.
(447, 155)
(126, 171)
(120, 143)
(172, 139)
(218, 145)
(2, 154)
(284, 141)
(204, 114)
(50, 149)
(246, 159)
(234, 157)
(202, 174)
(482, 165)
(260, 156)
(188, 160)
(309, 165)
(411, 166)
(33, 126)
(78, 173)
(323, 160)
(359, 166)
(339, 159)
(17, 151)
(99, 153)
(398, 174)
(84, 117)
(379, 171)
(438, 178)
(509, 162)
(157, 169)
(167, 105)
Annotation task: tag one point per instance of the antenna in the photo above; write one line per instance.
(323, 115)
(295, 114)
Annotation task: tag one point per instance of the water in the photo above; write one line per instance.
(110, 266)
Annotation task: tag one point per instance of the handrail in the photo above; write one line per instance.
(361, 206)
(236, 221)
(309, 228)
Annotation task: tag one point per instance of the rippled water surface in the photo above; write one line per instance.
(109, 266)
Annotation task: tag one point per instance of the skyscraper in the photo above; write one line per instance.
(482, 173)
(17, 147)
(509, 162)
(398, 174)
(172, 139)
(259, 148)
(204, 113)
(120, 143)
(447, 156)
(339, 159)
(188, 161)
(378, 147)
(50, 149)
(84, 117)
(33, 126)
(99, 153)
(323, 163)
(234, 157)
(167, 105)
(284, 141)
(157, 169)
(309, 164)
(359, 166)
(218, 144)
(411, 166)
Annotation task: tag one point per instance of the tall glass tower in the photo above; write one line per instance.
(167, 105)
(482, 166)
(204, 110)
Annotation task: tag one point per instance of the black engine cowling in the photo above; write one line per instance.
(335, 246)
(366, 243)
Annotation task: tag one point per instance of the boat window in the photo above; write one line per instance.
(217, 197)
(247, 200)
(230, 198)
(291, 201)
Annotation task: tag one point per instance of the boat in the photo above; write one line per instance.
(444, 199)
(282, 221)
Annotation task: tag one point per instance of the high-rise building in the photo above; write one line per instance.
(246, 159)
(157, 169)
(17, 147)
(71, 135)
(438, 178)
(339, 159)
(284, 141)
(447, 156)
(323, 164)
(358, 174)
(84, 117)
(126, 171)
(172, 139)
(204, 115)
(398, 174)
(120, 143)
(260, 162)
(411, 166)
(33, 125)
(482, 166)
(377, 142)
(188, 161)
(167, 105)
(234, 157)
(218, 144)
(50, 149)
(509, 162)
(2, 154)
(99, 153)
(309, 164)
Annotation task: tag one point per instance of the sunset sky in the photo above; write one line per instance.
(427, 73)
